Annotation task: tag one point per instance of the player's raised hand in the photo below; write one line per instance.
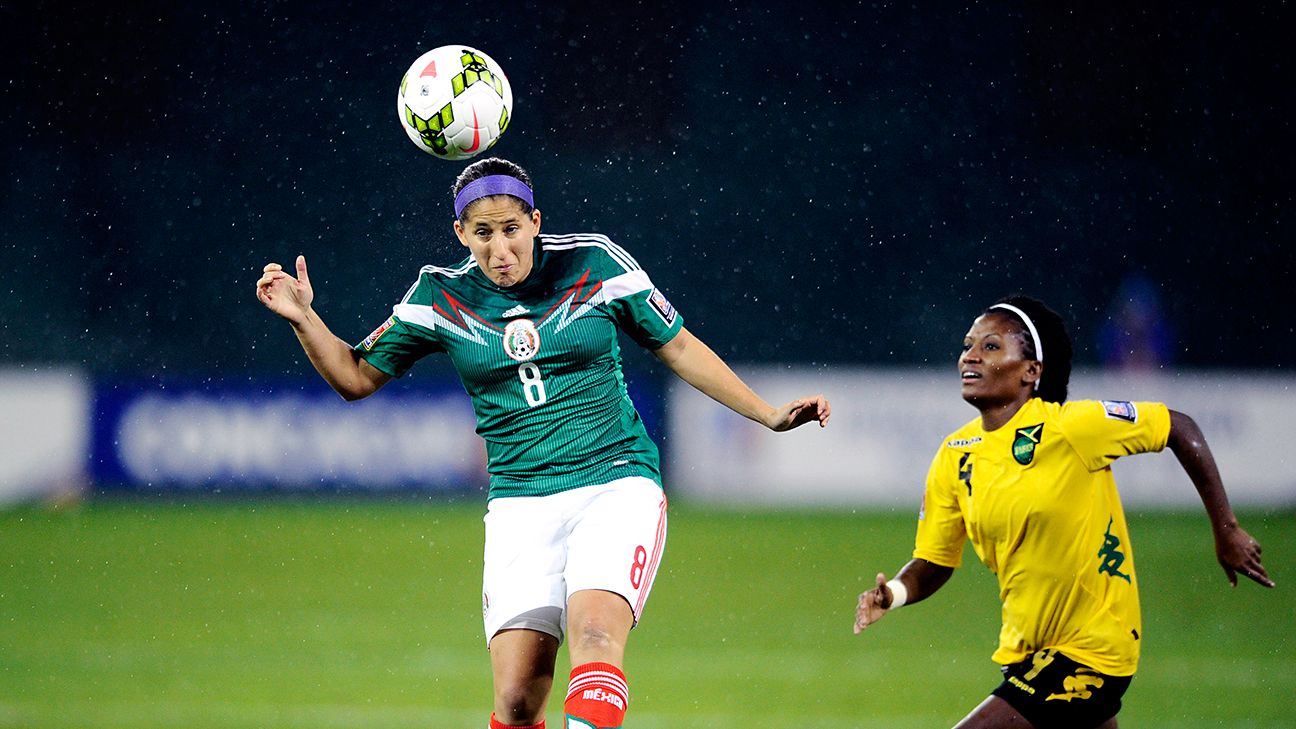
(1239, 553)
(872, 605)
(284, 295)
(799, 412)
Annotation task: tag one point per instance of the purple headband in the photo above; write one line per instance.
(492, 185)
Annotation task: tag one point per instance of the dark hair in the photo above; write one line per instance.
(485, 168)
(1054, 340)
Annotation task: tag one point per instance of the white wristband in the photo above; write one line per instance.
(899, 594)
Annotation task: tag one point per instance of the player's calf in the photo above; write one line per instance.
(497, 724)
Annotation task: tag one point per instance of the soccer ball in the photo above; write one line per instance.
(454, 102)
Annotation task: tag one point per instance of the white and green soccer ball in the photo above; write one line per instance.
(454, 102)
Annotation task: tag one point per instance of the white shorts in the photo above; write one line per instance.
(542, 549)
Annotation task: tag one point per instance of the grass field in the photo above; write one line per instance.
(316, 613)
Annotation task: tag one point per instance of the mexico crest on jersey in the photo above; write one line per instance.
(521, 339)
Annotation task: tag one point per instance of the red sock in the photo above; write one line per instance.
(597, 695)
(495, 724)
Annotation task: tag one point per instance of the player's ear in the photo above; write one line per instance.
(1034, 370)
(459, 233)
(535, 219)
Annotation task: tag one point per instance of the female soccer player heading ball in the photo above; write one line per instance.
(576, 516)
(1030, 483)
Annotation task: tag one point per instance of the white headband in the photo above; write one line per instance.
(1030, 326)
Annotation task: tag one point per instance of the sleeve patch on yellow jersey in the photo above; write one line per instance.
(1120, 410)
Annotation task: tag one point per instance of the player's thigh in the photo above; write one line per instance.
(994, 713)
(617, 544)
(522, 566)
(523, 658)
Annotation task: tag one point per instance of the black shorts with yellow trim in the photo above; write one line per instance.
(1051, 690)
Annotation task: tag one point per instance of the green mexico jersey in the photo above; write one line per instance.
(540, 360)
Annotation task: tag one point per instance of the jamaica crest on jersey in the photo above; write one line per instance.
(1024, 442)
(521, 340)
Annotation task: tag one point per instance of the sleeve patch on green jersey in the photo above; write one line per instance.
(663, 307)
(1120, 410)
(368, 342)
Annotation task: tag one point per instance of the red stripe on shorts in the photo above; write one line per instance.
(654, 559)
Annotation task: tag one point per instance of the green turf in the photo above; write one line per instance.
(366, 614)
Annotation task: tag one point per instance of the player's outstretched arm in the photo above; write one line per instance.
(1237, 551)
(916, 581)
(695, 363)
(334, 359)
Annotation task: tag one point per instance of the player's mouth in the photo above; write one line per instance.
(969, 376)
(505, 275)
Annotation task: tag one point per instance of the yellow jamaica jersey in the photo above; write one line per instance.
(1038, 501)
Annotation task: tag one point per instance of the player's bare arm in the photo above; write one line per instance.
(920, 580)
(695, 363)
(335, 360)
(1236, 550)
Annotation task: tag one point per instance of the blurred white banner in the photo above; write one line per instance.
(238, 438)
(44, 432)
(887, 423)
(885, 428)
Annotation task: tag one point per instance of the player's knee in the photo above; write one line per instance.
(592, 637)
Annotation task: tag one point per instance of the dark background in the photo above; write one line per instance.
(808, 182)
